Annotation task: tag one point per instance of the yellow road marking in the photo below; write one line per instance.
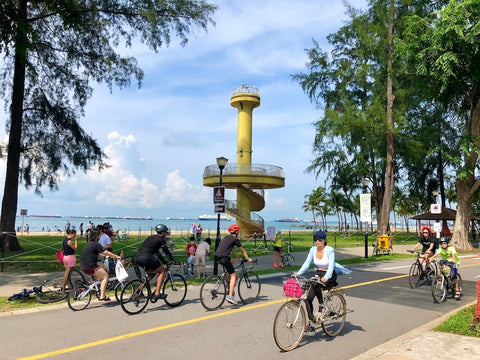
(191, 321)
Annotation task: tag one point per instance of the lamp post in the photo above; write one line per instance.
(366, 212)
(221, 162)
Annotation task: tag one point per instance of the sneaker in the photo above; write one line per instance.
(159, 296)
(309, 328)
(275, 265)
(322, 311)
(231, 300)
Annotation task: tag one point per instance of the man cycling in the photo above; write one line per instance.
(145, 257)
(222, 256)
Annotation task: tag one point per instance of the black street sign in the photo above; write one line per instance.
(219, 208)
(219, 195)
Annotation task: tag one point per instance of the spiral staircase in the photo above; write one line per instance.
(250, 181)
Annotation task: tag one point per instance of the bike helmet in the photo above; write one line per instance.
(427, 228)
(161, 228)
(234, 228)
(279, 231)
(444, 240)
(319, 235)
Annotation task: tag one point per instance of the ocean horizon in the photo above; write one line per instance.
(52, 224)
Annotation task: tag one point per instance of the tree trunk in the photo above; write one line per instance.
(10, 193)
(384, 218)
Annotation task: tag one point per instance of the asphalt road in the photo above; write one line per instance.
(382, 306)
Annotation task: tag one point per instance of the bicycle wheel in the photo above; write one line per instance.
(51, 296)
(175, 287)
(213, 292)
(76, 279)
(249, 287)
(336, 312)
(118, 290)
(288, 260)
(135, 296)
(439, 288)
(289, 325)
(414, 275)
(79, 298)
(460, 284)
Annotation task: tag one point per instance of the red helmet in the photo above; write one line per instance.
(427, 228)
(234, 228)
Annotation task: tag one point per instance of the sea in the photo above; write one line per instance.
(129, 225)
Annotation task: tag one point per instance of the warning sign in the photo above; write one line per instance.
(219, 195)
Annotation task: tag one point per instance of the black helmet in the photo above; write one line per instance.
(161, 228)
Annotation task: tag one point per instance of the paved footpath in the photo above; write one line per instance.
(419, 344)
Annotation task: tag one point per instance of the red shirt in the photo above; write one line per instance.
(191, 249)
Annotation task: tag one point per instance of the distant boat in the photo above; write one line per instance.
(214, 217)
(175, 218)
(288, 220)
(46, 216)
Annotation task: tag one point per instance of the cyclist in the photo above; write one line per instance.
(277, 249)
(222, 256)
(429, 246)
(89, 265)
(145, 257)
(450, 258)
(323, 259)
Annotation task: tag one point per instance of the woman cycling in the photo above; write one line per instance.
(323, 259)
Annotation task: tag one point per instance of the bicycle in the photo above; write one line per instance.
(417, 272)
(290, 323)
(214, 289)
(287, 260)
(80, 297)
(137, 293)
(43, 293)
(443, 282)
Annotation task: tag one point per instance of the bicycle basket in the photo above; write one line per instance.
(295, 288)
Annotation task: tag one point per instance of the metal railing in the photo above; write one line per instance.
(245, 89)
(245, 169)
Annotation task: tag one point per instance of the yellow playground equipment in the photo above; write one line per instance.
(383, 245)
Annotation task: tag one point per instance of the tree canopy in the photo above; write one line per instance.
(52, 53)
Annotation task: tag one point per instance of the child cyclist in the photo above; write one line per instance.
(449, 257)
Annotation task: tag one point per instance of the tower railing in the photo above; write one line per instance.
(231, 206)
(245, 169)
(245, 89)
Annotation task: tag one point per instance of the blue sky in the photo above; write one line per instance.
(159, 138)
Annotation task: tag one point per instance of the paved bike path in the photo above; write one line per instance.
(420, 343)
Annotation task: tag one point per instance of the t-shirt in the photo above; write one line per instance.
(426, 243)
(152, 246)
(88, 259)
(447, 253)
(227, 245)
(191, 249)
(277, 241)
(105, 240)
(202, 248)
(67, 250)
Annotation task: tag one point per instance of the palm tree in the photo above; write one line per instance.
(313, 203)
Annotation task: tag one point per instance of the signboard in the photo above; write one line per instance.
(219, 208)
(365, 208)
(435, 208)
(219, 195)
(23, 211)
(271, 232)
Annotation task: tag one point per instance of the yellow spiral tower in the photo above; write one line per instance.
(249, 180)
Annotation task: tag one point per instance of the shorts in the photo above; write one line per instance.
(91, 271)
(199, 259)
(277, 248)
(149, 263)
(70, 261)
(226, 262)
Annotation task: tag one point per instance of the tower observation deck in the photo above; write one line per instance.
(249, 180)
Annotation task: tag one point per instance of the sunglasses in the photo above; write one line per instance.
(426, 232)
(318, 239)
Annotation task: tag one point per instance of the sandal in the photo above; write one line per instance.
(106, 298)
(457, 295)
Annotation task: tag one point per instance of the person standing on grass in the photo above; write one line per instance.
(69, 259)
(277, 249)
(203, 249)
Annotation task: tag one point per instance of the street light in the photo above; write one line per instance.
(365, 184)
(221, 162)
(435, 194)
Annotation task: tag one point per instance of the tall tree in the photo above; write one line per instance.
(443, 49)
(52, 51)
